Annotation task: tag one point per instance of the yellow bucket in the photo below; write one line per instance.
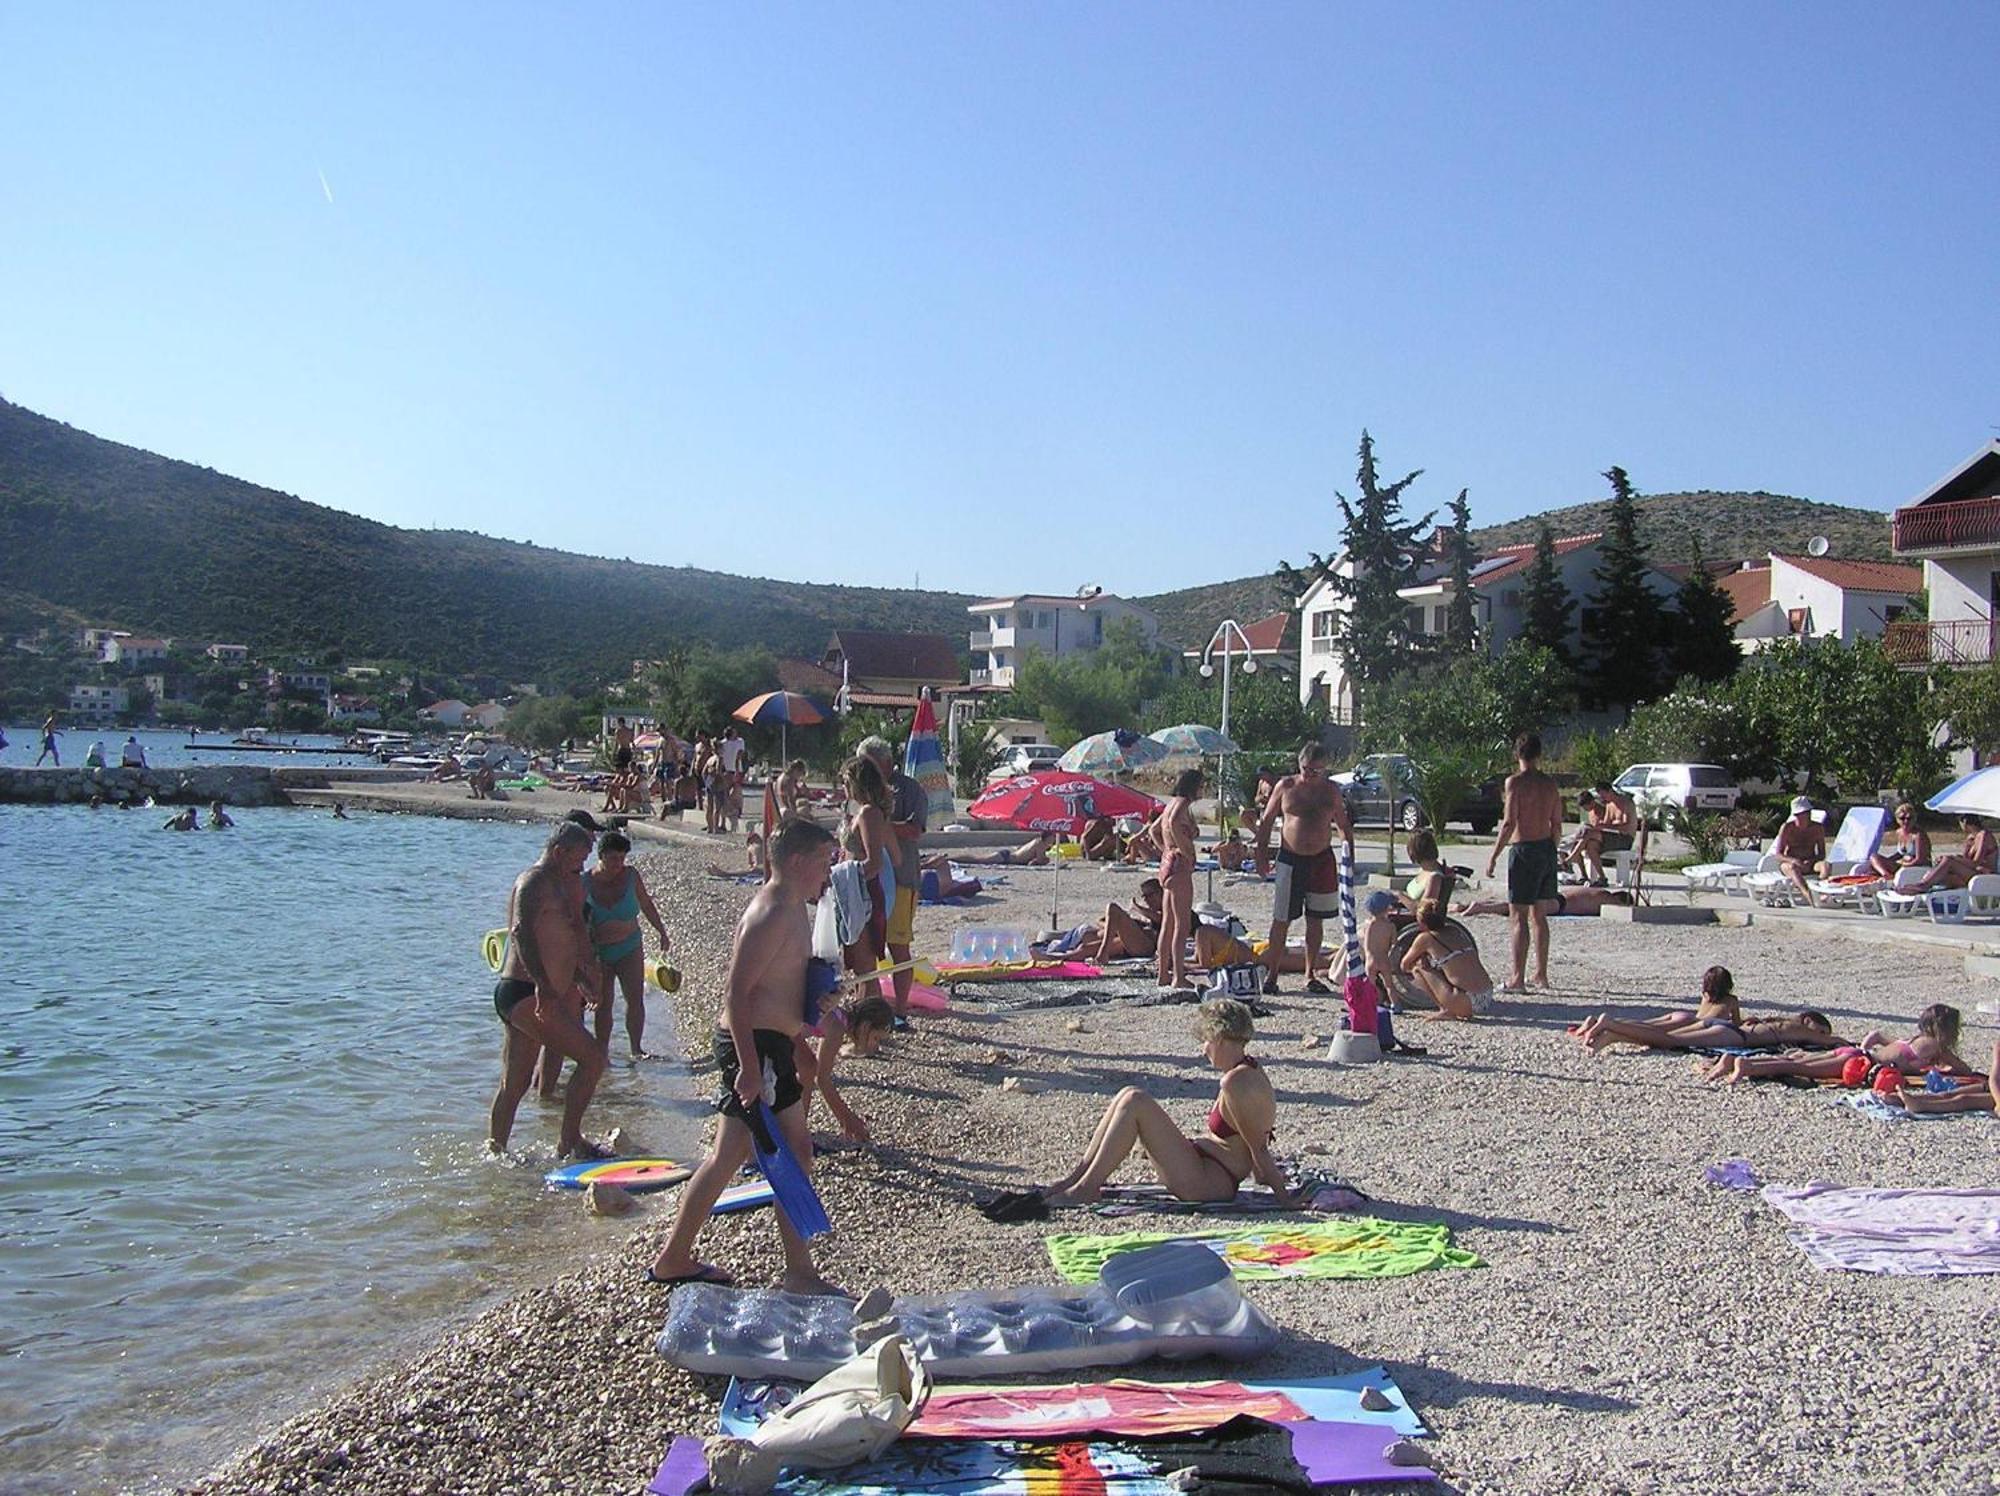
(494, 948)
(663, 976)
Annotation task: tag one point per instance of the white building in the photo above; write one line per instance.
(1953, 527)
(98, 705)
(447, 713)
(97, 641)
(1499, 608)
(135, 649)
(231, 653)
(488, 714)
(1005, 628)
(1818, 597)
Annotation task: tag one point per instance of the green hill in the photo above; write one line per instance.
(94, 529)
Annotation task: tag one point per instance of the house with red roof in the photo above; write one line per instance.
(1953, 529)
(1499, 605)
(1270, 644)
(1818, 597)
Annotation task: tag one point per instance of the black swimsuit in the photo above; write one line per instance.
(508, 994)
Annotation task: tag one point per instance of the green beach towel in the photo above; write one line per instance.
(1362, 1247)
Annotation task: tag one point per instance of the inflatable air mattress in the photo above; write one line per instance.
(1173, 1301)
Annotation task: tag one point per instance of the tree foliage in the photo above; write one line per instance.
(1473, 705)
(1703, 641)
(1462, 623)
(1546, 604)
(547, 722)
(1623, 624)
(1264, 709)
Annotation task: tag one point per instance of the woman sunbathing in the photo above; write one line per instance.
(1716, 1023)
(1583, 900)
(1031, 853)
(1235, 1144)
(1933, 1044)
(1448, 964)
(1912, 849)
(1984, 1098)
(1956, 869)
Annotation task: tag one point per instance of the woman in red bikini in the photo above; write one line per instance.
(1236, 1142)
(1175, 828)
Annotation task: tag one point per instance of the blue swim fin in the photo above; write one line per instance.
(791, 1189)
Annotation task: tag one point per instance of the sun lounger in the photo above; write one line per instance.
(1860, 833)
(1982, 895)
(1726, 876)
(1895, 900)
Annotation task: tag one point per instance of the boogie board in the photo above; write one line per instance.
(639, 1175)
(746, 1196)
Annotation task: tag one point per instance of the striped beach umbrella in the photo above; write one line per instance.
(1358, 990)
(923, 761)
(1118, 752)
(784, 708)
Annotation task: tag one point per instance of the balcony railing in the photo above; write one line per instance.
(980, 678)
(1322, 646)
(1964, 524)
(982, 641)
(1959, 641)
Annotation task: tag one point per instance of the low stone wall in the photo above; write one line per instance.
(232, 784)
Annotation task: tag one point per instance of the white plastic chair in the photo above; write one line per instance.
(1982, 895)
(1946, 905)
(1896, 901)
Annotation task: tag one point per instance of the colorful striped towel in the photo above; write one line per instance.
(1361, 1248)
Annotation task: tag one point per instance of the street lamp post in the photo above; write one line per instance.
(1227, 633)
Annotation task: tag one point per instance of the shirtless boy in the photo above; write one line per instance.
(763, 1014)
(1310, 806)
(1532, 813)
(541, 993)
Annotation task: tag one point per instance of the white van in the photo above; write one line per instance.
(1704, 787)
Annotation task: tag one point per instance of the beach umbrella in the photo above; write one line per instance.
(1358, 990)
(923, 761)
(783, 708)
(1193, 737)
(1977, 794)
(1117, 752)
(1058, 801)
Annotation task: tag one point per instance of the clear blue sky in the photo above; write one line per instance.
(1009, 296)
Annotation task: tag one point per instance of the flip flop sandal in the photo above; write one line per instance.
(708, 1272)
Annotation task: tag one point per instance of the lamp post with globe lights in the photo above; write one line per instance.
(1229, 633)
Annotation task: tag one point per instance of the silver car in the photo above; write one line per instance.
(1704, 787)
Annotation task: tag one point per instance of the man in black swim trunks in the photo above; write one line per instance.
(1532, 821)
(756, 1049)
(541, 994)
(1312, 809)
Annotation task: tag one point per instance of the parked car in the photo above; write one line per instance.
(1025, 758)
(1381, 790)
(1704, 787)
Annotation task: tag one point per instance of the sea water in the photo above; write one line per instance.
(176, 748)
(244, 1078)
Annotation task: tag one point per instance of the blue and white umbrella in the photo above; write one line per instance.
(1193, 737)
(1977, 794)
(1117, 752)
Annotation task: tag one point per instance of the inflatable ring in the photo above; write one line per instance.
(664, 976)
(494, 948)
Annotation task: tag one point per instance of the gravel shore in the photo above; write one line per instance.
(1636, 1331)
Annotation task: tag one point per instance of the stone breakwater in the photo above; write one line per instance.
(232, 784)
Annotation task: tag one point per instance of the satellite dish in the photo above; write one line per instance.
(1819, 545)
(1089, 589)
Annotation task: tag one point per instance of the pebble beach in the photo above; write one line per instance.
(1635, 1329)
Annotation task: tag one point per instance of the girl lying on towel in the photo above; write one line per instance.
(1716, 1023)
(1235, 1144)
(1984, 1098)
(1933, 1044)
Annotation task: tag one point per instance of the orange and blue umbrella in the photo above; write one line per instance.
(785, 708)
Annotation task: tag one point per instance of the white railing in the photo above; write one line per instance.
(1323, 646)
(982, 641)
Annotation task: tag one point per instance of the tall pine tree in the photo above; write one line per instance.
(1624, 621)
(1704, 640)
(1545, 601)
(1462, 622)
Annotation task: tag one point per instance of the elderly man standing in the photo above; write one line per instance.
(906, 824)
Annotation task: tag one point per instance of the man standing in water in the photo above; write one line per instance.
(540, 996)
(1532, 820)
(756, 1049)
(1311, 806)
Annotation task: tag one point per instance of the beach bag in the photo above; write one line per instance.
(1237, 980)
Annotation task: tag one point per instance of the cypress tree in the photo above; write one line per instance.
(1546, 603)
(1623, 624)
(1374, 638)
(1704, 642)
(1462, 623)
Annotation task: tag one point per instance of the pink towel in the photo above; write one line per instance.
(1927, 1233)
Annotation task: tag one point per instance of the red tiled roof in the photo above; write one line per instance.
(807, 678)
(1266, 635)
(873, 655)
(1860, 576)
(1518, 557)
(1748, 589)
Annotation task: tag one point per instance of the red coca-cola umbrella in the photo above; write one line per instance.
(1058, 801)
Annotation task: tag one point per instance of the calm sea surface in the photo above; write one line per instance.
(243, 1087)
(170, 749)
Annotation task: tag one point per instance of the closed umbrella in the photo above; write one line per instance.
(923, 761)
(1065, 803)
(1117, 752)
(783, 708)
(1977, 794)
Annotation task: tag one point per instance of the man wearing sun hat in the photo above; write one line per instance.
(1801, 848)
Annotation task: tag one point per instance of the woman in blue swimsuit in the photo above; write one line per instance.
(614, 896)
